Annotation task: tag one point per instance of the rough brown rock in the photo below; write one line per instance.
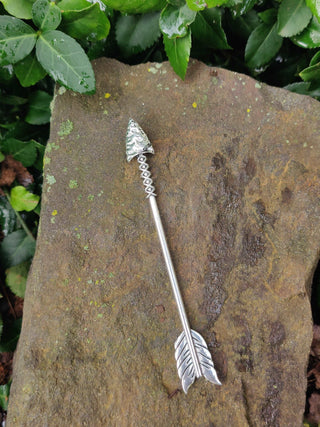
(237, 175)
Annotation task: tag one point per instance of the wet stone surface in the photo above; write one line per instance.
(236, 169)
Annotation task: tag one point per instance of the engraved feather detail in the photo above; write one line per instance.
(185, 363)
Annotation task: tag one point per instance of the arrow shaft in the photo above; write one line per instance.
(191, 351)
(174, 283)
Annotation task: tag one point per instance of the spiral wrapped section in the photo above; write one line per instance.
(146, 175)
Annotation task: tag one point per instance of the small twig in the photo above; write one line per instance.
(23, 224)
(4, 291)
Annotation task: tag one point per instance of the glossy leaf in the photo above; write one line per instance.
(262, 45)
(242, 8)
(46, 15)
(8, 218)
(243, 26)
(268, 16)
(22, 200)
(293, 17)
(23, 151)
(16, 248)
(19, 8)
(178, 52)
(65, 61)
(135, 6)
(174, 21)
(11, 336)
(4, 392)
(314, 6)
(17, 39)
(29, 71)
(39, 108)
(196, 4)
(16, 278)
(315, 59)
(208, 30)
(310, 37)
(311, 74)
(135, 33)
(81, 20)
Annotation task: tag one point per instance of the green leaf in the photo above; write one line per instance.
(2, 157)
(293, 17)
(38, 164)
(22, 200)
(65, 61)
(214, 3)
(6, 74)
(8, 218)
(311, 74)
(29, 71)
(81, 20)
(178, 52)
(135, 6)
(196, 4)
(174, 21)
(135, 33)
(310, 37)
(19, 8)
(4, 394)
(45, 15)
(299, 87)
(16, 278)
(177, 2)
(208, 30)
(24, 152)
(17, 40)
(262, 45)
(314, 6)
(315, 59)
(16, 248)
(39, 108)
(268, 16)
(242, 8)
(10, 336)
(13, 100)
(242, 27)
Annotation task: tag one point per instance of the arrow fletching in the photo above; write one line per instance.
(185, 365)
(137, 141)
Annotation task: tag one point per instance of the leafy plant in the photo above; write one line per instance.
(48, 49)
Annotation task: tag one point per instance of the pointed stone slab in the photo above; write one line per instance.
(238, 184)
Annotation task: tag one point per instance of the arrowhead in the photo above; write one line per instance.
(137, 141)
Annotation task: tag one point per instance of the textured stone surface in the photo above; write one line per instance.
(237, 175)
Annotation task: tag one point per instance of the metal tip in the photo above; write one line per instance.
(137, 141)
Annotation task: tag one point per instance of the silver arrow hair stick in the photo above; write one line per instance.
(191, 351)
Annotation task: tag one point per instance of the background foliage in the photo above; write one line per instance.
(43, 42)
